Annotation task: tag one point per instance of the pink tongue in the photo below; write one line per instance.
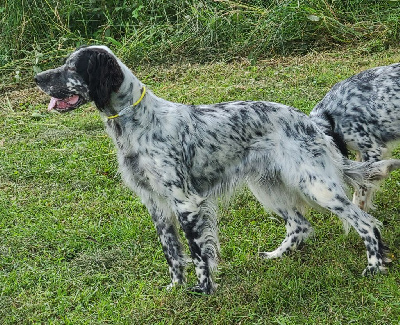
(73, 100)
(52, 104)
(62, 103)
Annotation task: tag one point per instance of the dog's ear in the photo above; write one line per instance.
(104, 77)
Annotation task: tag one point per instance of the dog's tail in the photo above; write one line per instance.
(370, 172)
(367, 174)
(337, 137)
(326, 122)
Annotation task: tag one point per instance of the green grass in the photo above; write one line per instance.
(206, 30)
(76, 247)
(39, 34)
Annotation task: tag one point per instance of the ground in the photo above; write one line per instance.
(76, 247)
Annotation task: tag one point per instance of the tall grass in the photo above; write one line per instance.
(169, 30)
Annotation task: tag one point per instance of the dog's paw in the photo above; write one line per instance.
(388, 257)
(269, 255)
(170, 286)
(202, 290)
(174, 285)
(373, 270)
(198, 290)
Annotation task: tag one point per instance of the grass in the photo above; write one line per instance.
(76, 247)
(206, 30)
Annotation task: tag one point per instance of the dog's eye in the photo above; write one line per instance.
(71, 68)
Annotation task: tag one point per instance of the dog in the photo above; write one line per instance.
(180, 158)
(362, 113)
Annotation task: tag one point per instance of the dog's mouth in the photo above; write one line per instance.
(64, 104)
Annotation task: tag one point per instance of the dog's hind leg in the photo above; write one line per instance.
(198, 221)
(379, 170)
(330, 195)
(368, 229)
(298, 229)
(363, 194)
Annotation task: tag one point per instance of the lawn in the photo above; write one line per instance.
(76, 247)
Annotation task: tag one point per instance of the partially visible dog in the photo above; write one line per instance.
(179, 158)
(362, 113)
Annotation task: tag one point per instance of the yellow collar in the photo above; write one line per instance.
(130, 106)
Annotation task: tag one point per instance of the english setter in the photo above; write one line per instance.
(363, 114)
(179, 158)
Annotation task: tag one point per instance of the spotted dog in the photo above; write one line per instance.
(179, 158)
(363, 114)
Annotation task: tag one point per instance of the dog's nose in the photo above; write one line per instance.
(38, 78)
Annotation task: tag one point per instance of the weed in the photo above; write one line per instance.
(161, 31)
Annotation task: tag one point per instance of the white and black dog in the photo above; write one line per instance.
(179, 158)
(362, 113)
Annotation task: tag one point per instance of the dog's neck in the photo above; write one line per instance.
(129, 92)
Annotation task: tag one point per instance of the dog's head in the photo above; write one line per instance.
(89, 74)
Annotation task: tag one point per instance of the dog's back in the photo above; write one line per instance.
(362, 113)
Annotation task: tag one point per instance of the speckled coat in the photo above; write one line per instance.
(363, 114)
(179, 158)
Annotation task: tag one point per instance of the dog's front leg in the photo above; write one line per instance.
(171, 245)
(199, 226)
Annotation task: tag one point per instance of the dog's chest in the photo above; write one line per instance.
(143, 163)
(133, 174)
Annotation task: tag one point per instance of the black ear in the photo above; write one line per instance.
(104, 77)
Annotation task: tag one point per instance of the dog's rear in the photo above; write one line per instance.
(362, 113)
